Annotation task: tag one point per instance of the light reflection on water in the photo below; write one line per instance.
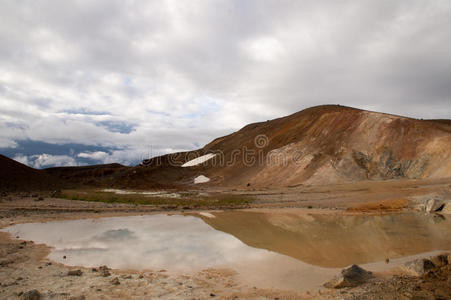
(303, 250)
(139, 242)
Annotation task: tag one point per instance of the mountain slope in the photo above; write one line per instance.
(330, 144)
(15, 176)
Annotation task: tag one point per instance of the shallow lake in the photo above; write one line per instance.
(282, 250)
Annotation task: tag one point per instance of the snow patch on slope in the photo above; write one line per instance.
(201, 179)
(199, 160)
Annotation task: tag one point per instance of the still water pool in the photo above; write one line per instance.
(288, 250)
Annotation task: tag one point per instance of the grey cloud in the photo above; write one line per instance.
(85, 111)
(118, 126)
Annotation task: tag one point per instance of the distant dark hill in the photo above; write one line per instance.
(88, 175)
(15, 176)
(119, 176)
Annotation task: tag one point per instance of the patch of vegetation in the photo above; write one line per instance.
(186, 200)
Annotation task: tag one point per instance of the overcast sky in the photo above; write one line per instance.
(114, 81)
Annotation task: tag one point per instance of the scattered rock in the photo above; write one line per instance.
(39, 199)
(104, 271)
(115, 281)
(31, 295)
(437, 205)
(82, 297)
(419, 267)
(440, 260)
(75, 273)
(350, 277)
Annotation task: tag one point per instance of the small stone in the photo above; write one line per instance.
(419, 267)
(64, 257)
(212, 295)
(31, 295)
(75, 273)
(440, 260)
(350, 277)
(115, 281)
(104, 271)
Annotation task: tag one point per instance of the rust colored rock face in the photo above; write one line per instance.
(331, 144)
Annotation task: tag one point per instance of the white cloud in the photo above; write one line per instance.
(22, 159)
(264, 49)
(97, 155)
(46, 160)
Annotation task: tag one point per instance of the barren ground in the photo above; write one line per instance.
(24, 267)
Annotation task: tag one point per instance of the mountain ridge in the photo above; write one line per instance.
(319, 145)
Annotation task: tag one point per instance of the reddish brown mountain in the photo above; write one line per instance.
(328, 144)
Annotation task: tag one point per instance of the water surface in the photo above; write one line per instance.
(337, 240)
(281, 250)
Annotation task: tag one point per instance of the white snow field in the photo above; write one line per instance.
(201, 179)
(199, 160)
